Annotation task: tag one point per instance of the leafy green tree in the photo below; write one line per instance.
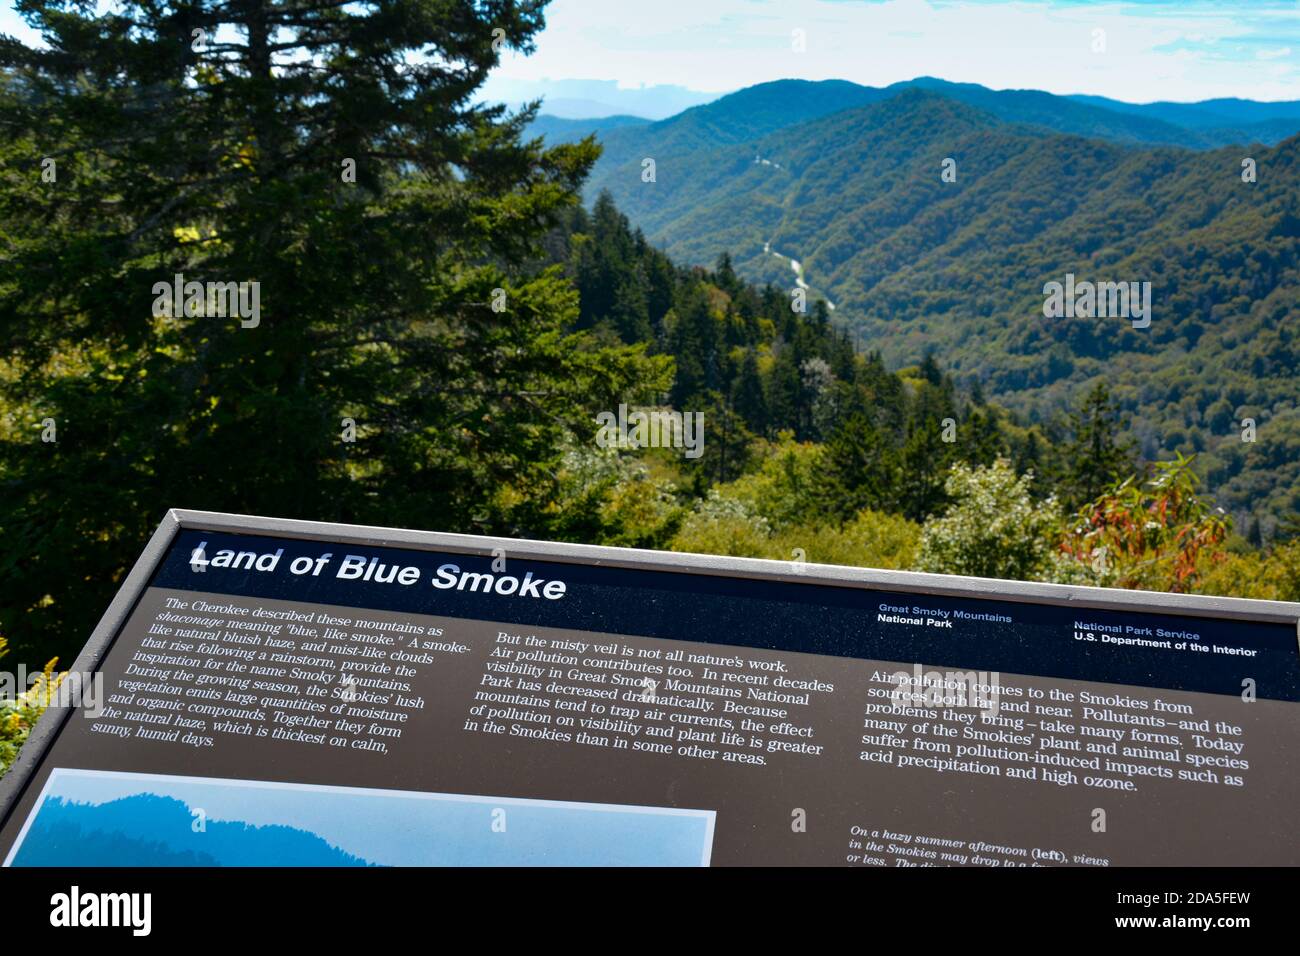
(1272, 576)
(1288, 528)
(18, 714)
(993, 528)
(784, 482)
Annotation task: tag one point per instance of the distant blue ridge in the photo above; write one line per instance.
(153, 830)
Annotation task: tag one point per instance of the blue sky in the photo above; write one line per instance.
(1154, 49)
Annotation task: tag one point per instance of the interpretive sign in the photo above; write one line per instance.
(285, 692)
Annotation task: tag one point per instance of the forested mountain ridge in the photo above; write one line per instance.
(1205, 125)
(912, 262)
(736, 118)
(766, 107)
(1222, 113)
(565, 129)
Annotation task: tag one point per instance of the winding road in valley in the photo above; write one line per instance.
(797, 266)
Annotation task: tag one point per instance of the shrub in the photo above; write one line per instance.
(731, 526)
(721, 525)
(872, 539)
(992, 529)
(1274, 576)
(19, 716)
(1157, 534)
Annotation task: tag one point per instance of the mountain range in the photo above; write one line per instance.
(841, 188)
(148, 829)
(767, 107)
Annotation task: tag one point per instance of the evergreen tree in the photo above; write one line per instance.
(1253, 536)
(661, 280)
(926, 456)
(821, 322)
(981, 439)
(930, 370)
(725, 275)
(1095, 456)
(726, 446)
(338, 157)
(748, 397)
(784, 391)
(1027, 460)
(861, 469)
(694, 343)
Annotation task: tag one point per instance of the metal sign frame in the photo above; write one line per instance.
(14, 783)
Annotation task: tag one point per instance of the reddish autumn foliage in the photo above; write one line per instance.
(1152, 533)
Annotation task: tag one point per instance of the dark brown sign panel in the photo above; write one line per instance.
(273, 692)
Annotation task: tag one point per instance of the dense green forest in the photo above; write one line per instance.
(847, 181)
(819, 452)
(441, 321)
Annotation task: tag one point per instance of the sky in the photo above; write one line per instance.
(1181, 50)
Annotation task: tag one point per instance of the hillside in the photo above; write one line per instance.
(1206, 125)
(737, 118)
(561, 129)
(767, 107)
(1223, 113)
(910, 263)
